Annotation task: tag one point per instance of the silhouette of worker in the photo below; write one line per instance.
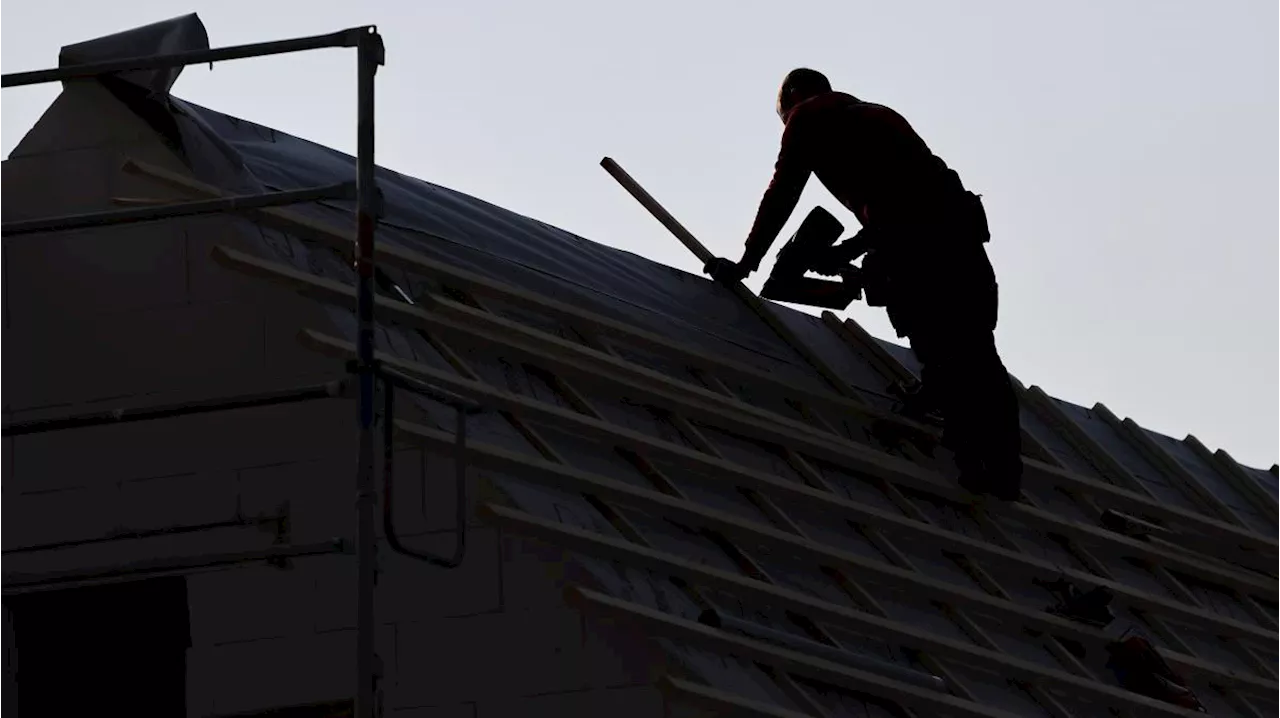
(927, 265)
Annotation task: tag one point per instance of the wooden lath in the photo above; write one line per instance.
(1172, 469)
(1108, 466)
(818, 669)
(575, 480)
(1221, 463)
(610, 512)
(735, 407)
(666, 485)
(724, 704)
(572, 360)
(1038, 472)
(456, 387)
(594, 544)
(859, 460)
(754, 303)
(867, 346)
(857, 593)
(860, 341)
(1102, 459)
(797, 462)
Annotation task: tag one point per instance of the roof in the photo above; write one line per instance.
(658, 428)
(794, 548)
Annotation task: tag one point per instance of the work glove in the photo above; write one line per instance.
(726, 271)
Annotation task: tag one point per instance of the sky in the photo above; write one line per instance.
(1126, 150)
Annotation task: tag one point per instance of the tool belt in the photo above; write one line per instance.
(895, 251)
(900, 250)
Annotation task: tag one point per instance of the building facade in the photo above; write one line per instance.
(679, 501)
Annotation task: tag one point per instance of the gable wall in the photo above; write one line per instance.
(138, 315)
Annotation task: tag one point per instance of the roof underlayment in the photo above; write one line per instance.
(689, 458)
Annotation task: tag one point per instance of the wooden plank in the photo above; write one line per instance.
(752, 302)
(1107, 466)
(1097, 456)
(691, 513)
(729, 705)
(693, 633)
(748, 565)
(696, 461)
(666, 485)
(481, 286)
(334, 238)
(856, 590)
(551, 415)
(562, 357)
(862, 343)
(866, 346)
(1226, 467)
(1170, 467)
(1101, 458)
(666, 563)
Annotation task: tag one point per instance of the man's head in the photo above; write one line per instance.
(799, 85)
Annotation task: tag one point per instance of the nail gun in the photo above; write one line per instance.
(813, 248)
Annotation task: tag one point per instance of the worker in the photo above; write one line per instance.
(928, 264)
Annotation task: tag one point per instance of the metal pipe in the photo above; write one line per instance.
(404, 381)
(133, 535)
(712, 617)
(370, 56)
(460, 473)
(203, 406)
(342, 38)
(344, 190)
(15, 583)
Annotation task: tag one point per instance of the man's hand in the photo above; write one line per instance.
(726, 271)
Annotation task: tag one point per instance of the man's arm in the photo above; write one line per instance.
(790, 174)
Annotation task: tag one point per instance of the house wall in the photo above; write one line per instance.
(9, 696)
(138, 315)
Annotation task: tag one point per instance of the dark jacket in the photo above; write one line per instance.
(866, 155)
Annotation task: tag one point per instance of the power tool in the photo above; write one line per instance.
(813, 248)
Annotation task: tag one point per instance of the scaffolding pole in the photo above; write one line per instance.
(343, 38)
(118, 536)
(329, 390)
(17, 583)
(370, 54)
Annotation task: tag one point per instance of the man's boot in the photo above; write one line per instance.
(998, 443)
(972, 473)
(1004, 475)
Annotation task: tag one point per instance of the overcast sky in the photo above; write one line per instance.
(1126, 149)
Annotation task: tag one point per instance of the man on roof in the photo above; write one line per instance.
(927, 262)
